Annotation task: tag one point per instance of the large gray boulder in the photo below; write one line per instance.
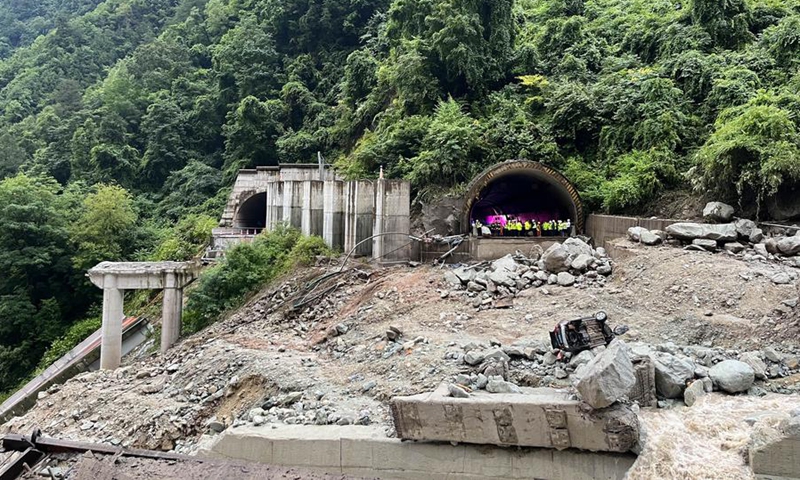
(566, 279)
(505, 263)
(694, 391)
(718, 212)
(789, 245)
(576, 246)
(635, 233)
(650, 238)
(608, 377)
(744, 227)
(725, 232)
(732, 376)
(556, 259)
(756, 363)
(671, 375)
(582, 262)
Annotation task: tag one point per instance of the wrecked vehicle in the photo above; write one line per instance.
(584, 333)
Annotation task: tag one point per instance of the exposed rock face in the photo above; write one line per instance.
(671, 375)
(732, 376)
(608, 377)
(718, 212)
(789, 245)
(725, 232)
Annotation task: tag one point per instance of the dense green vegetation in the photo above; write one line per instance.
(122, 122)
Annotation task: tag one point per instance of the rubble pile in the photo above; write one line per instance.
(573, 263)
(740, 237)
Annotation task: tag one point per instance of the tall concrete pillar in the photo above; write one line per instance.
(333, 214)
(312, 221)
(392, 215)
(111, 332)
(274, 204)
(172, 311)
(359, 216)
(293, 203)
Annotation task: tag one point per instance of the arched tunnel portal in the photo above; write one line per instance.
(522, 190)
(252, 213)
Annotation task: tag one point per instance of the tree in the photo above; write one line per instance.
(251, 132)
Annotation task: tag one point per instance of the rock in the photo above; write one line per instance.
(734, 247)
(575, 247)
(496, 384)
(551, 280)
(761, 249)
(671, 375)
(560, 373)
(541, 276)
(694, 391)
(791, 302)
(566, 279)
(604, 270)
(452, 279)
(689, 231)
(709, 245)
(608, 377)
(582, 262)
(718, 212)
(732, 376)
(792, 363)
(771, 355)
(744, 227)
(556, 259)
(549, 358)
(42, 395)
(481, 381)
(474, 357)
(583, 357)
(781, 278)
(789, 246)
(502, 277)
(506, 263)
(756, 235)
(635, 233)
(215, 426)
(475, 287)
(650, 238)
(464, 275)
(754, 360)
(368, 386)
(457, 392)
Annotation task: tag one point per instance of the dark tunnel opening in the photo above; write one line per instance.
(252, 213)
(522, 204)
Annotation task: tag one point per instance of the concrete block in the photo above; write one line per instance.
(536, 418)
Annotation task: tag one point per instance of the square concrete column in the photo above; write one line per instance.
(359, 215)
(111, 332)
(392, 215)
(274, 204)
(312, 222)
(333, 214)
(293, 203)
(172, 311)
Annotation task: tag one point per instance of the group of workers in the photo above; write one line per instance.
(515, 227)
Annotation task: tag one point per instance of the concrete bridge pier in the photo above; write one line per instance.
(116, 277)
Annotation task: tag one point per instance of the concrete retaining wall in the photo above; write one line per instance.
(366, 451)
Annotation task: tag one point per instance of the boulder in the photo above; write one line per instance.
(608, 377)
(582, 262)
(694, 391)
(503, 277)
(496, 384)
(650, 238)
(635, 233)
(671, 375)
(756, 363)
(756, 235)
(505, 263)
(734, 247)
(725, 232)
(705, 244)
(781, 278)
(718, 212)
(789, 246)
(772, 245)
(576, 246)
(732, 376)
(604, 269)
(566, 279)
(556, 259)
(761, 249)
(744, 227)
(452, 279)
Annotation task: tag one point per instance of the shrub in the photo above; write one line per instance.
(75, 335)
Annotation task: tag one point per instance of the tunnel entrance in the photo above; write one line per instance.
(252, 214)
(522, 199)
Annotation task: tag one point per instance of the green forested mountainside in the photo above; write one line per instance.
(138, 113)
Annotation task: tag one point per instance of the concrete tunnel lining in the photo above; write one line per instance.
(533, 182)
(252, 213)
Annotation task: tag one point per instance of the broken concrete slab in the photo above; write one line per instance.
(539, 417)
